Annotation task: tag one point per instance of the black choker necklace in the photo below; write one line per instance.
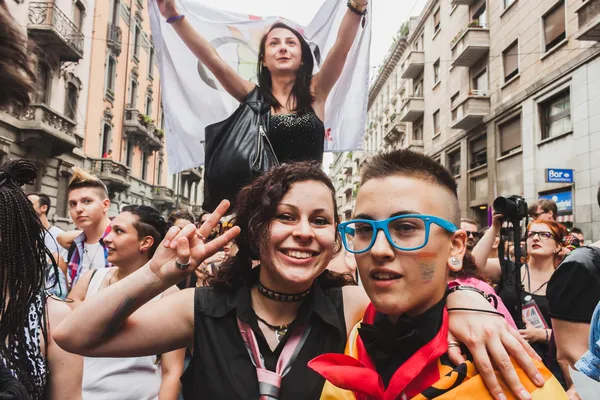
(273, 295)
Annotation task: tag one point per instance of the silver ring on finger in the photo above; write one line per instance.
(182, 266)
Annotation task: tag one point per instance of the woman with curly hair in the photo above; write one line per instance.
(254, 329)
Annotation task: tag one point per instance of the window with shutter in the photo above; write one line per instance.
(556, 115)
(436, 21)
(478, 149)
(510, 135)
(510, 60)
(554, 26)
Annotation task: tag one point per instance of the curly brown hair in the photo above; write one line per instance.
(17, 71)
(256, 206)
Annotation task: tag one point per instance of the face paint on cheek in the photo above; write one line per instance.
(427, 272)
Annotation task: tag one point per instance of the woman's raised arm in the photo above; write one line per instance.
(233, 83)
(333, 65)
(117, 321)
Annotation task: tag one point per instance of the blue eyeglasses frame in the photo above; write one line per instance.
(382, 225)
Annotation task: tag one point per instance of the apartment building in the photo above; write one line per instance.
(51, 132)
(98, 91)
(505, 94)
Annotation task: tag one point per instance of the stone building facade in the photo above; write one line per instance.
(98, 90)
(505, 94)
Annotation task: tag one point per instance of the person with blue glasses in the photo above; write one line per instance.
(406, 242)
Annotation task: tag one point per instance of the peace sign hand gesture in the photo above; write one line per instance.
(187, 248)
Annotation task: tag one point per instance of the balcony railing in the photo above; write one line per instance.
(193, 174)
(54, 31)
(164, 195)
(470, 45)
(394, 130)
(462, 2)
(589, 20)
(114, 174)
(45, 129)
(139, 128)
(413, 109)
(468, 112)
(114, 38)
(414, 65)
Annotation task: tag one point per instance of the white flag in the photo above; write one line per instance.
(193, 99)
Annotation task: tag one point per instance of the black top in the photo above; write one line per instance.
(390, 345)
(574, 289)
(221, 367)
(296, 137)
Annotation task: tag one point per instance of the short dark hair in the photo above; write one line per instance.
(547, 205)
(149, 223)
(576, 230)
(181, 214)
(83, 179)
(598, 197)
(44, 200)
(412, 164)
(470, 221)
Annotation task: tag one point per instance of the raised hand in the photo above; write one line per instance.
(187, 247)
(167, 8)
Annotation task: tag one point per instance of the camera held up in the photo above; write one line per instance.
(514, 208)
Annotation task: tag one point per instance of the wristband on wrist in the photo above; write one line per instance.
(490, 298)
(175, 18)
(355, 8)
(475, 310)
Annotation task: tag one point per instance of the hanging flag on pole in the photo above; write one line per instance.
(193, 99)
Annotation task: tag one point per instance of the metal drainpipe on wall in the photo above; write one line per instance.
(131, 18)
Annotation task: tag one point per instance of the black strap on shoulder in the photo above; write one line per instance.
(72, 249)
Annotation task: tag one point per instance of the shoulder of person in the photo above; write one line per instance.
(584, 257)
(214, 303)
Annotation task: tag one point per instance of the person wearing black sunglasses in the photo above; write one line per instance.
(473, 235)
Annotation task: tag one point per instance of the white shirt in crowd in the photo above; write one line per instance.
(52, 244)
(93, 257)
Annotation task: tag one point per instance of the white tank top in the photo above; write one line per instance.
(135, 378)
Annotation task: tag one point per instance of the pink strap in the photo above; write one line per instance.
(269, 382)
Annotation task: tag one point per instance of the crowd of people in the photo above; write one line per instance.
(277, 298)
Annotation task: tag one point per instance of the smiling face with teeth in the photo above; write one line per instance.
(301, 238)
(407, 282)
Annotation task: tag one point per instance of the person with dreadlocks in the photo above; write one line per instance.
(133, 238)
(29, 315)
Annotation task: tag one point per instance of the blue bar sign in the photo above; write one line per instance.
(554, 175)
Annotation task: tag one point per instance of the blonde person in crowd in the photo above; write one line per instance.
(135, 235)
(88, 206)
(288, 219)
